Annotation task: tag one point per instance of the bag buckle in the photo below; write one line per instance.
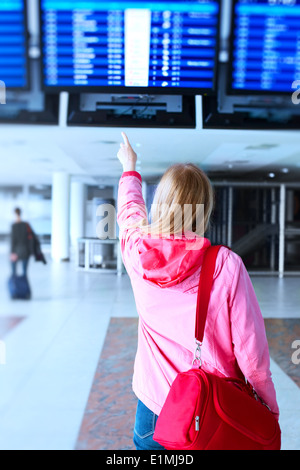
(198, 354)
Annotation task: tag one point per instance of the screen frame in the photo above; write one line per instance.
(116, 90)
(245, 92)
(27, 64)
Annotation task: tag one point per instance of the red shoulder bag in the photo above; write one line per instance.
(206, 412)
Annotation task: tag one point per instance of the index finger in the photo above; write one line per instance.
(126, 140)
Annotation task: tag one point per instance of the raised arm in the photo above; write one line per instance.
(132, 211)
(127, 155)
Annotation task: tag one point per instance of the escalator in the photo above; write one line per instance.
(254, 239)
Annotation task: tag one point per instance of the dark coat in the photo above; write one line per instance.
(20, 243)
(25, 243)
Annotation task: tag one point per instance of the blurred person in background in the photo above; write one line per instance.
(21, 243)
(24, 243)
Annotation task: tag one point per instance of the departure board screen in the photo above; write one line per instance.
(13, 44)
(265, 45)
(130, 44)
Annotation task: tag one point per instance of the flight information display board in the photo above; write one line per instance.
(130, 44)
(265, 55)
(13, 44)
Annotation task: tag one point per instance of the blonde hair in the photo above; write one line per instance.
(183, 202)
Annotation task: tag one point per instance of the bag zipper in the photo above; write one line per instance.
(197, 423)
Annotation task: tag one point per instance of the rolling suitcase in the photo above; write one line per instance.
(19, 288)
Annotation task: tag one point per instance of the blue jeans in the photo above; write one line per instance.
(24, 266)
(144, 429)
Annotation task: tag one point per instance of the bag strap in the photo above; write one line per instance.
(205, 286)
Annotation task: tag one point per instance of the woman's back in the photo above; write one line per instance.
(164, 259)
(165, 272)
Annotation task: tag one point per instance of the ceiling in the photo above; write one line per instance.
(30, 154)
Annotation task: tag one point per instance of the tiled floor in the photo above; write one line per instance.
(109, 416)
(69, 359)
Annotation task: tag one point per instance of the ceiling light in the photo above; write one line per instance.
(271, 175)
(237, 162)
(105, 142)
(262, 147)
(41, 160)
(285, 170)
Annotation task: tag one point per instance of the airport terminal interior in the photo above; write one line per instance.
(209, 82)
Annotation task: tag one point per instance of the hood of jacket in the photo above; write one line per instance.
(167, 262)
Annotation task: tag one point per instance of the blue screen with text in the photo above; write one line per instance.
(129, 43)
(13, 54)
(266, 45)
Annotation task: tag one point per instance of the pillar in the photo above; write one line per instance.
(77, 211)
(60, 240)
(282, 215)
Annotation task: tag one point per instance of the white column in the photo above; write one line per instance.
(25, 197)
(273, 222)
(230, 216)
(60, 248)
(63, 109)
(77, 211)
(282, 214)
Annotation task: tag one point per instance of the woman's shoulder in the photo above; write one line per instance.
(228, 263)
(229, 255)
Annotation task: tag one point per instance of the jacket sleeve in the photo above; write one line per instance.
(249, 337)
(132, 213)
(13, 240)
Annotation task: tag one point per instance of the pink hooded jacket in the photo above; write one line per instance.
(164, 275)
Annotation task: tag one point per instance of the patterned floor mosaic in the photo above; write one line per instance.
(109, 417)
(7, 324)
(281, 334)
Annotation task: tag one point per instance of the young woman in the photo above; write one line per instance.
(163, 260)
